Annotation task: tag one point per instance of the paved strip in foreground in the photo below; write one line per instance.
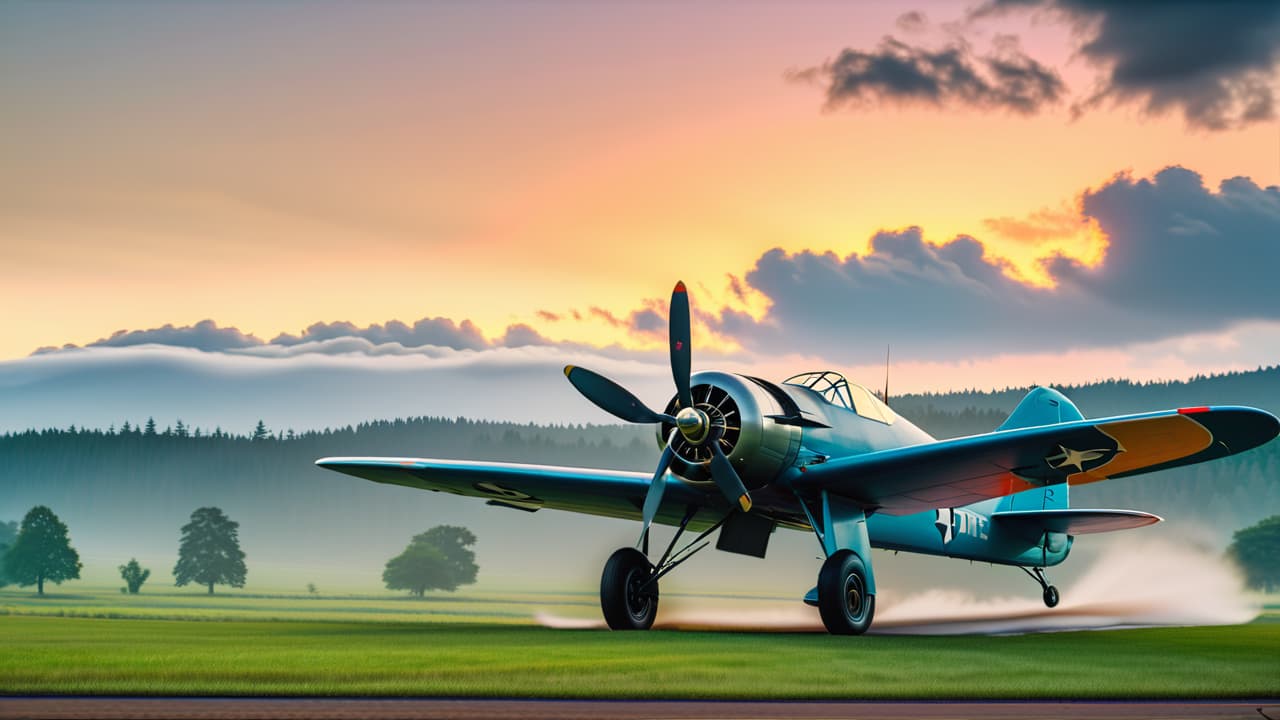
(71, 708)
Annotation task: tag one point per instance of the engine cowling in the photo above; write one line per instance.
(758, 447)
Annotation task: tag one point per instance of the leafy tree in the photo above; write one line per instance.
(438, 559)
(134, 575)
(8, 533)
(41, 551)
(1257, 550)
(209, 552)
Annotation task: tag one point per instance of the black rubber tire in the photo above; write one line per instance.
(843, 602)
(624, 608)
(1051, 597)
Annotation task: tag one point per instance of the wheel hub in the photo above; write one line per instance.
(853, 597)
(637, 598)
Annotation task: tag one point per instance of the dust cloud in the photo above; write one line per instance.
(1129, 584)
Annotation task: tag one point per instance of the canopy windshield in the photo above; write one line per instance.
(835, 389)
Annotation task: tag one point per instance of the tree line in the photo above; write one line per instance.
(39, 550)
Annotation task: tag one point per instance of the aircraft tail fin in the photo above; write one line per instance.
(1050, 497)
(1042, 406)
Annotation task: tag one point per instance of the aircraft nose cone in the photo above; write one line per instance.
(693, 424)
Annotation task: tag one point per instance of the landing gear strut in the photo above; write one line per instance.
(1051, 596)
(629, 584)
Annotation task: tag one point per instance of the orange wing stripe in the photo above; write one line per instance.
(1147, 442)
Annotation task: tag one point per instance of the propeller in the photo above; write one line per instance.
(612, 397)
(690, 422)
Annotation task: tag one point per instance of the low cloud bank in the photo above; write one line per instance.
(100, 387)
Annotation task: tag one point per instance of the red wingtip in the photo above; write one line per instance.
(679, 286)
(1193, 410)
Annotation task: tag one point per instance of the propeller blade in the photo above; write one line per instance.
(653, 498)
(612, 397)
(727, 478)
(681, 353)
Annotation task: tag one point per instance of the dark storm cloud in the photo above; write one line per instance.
(438, 331)
(1178, 249)
(1213, 61)
(204, 335)
(1181, 259)
(898, 73)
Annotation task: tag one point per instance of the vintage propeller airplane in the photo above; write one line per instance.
(820, 454)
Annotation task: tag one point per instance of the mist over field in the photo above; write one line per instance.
(127, 494)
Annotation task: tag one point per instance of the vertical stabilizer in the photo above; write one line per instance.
(1042, 406)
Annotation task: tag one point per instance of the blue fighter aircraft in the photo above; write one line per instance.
(744, 456)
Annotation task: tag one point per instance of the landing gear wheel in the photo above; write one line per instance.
(1051, 596)
(626, 601)
(843, 602)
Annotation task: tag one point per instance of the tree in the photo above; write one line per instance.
(151, 427)
(438, 559)
(1257, 550)
(260, 432)
(209, 552)
(134, 575)
(8, 533)
(41, 551)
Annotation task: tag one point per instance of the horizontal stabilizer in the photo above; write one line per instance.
(1074, 521)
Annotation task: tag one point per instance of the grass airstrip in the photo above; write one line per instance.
(171, 643)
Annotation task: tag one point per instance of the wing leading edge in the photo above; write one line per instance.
(970, 469)
(609, 493)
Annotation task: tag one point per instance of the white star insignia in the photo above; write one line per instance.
(1077, 458)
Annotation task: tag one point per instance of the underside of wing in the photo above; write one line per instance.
(1073, 521)
(608, 493)
(967, 470)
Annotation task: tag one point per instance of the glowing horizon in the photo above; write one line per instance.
(368, 163)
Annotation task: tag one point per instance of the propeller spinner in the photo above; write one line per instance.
(693, 424)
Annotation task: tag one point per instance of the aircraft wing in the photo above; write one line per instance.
(609, 493)
(969, 469)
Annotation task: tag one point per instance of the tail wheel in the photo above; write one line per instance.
(843, 601)
(1051, 596)
(628, 599)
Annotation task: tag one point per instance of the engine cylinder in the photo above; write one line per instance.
(758, 447)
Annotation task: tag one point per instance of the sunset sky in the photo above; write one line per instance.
(806, 168)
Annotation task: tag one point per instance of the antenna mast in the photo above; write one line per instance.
(886, 374)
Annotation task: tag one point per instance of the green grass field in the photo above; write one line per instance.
(482, 646)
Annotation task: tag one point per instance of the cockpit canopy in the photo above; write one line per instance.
(835, 389)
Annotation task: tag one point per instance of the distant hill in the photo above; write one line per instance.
(126, 493)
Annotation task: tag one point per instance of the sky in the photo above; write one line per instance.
(1003, 192)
